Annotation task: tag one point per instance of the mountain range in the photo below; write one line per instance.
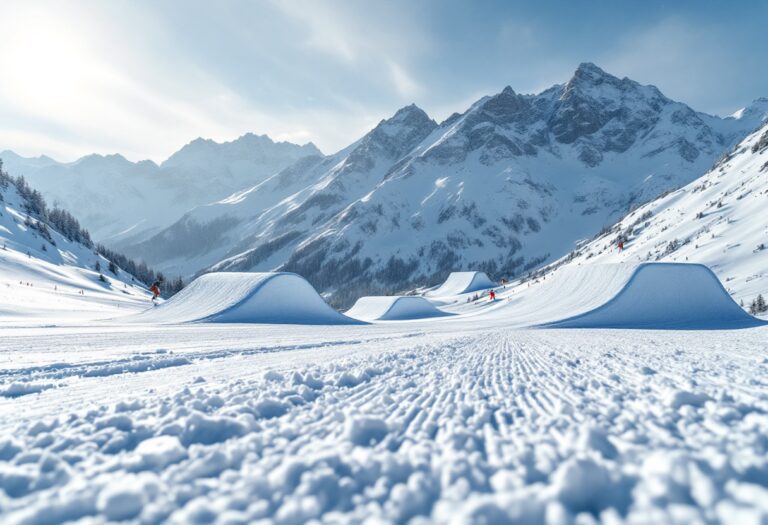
(117, 199)
(512, 183)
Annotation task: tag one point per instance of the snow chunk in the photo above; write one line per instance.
(19, 389)
(582, 485)
(679, 398)
(121, 500)
(366, 431)
(269, 408)
(208, 429)
(159, 452)
(595, 439)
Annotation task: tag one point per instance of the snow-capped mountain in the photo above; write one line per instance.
(48, 275)
(720, 220)
(118, 199)
(503, 187)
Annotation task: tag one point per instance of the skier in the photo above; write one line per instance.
(621, 246)
(155, 289)
(492, 295)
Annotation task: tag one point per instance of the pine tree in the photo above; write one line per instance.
(760, 304)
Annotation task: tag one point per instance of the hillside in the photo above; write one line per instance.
(720, 220)
(47, 276)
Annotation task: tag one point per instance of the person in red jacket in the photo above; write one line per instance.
(155, 289)
(492, 295)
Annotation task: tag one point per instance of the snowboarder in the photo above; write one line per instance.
(155, 289)
(492, 295)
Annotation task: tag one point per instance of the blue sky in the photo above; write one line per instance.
(145, 77)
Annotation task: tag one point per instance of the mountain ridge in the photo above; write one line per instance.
(503, 187)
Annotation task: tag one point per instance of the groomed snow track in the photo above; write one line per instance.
(459, 283)
(393, 308)
(647, 295)
(234, 297)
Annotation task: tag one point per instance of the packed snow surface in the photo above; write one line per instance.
(459, 283)
(457, 421)
(394, 308)
(245, 298)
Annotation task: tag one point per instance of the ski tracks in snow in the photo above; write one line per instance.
(501, 427)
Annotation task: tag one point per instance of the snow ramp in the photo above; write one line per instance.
(394, 308)
(235, 297)
(459, 283)
(647, 295)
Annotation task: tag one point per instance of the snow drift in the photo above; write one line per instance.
(393, 308)
(280, 298)
(462, 282)
(647, 295)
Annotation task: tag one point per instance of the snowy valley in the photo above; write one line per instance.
(506, 186)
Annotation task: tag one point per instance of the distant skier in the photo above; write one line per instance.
(621, 246)
(155, 289)
(492, 295)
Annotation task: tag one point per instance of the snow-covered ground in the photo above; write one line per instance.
(720, 220)
(46, 278)
(460, 421)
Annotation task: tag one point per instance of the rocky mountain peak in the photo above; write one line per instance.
(397, 134)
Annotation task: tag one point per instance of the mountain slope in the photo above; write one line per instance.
(118, 199)
(719, 220)
(509, 184)
(277, 212)
(48, 276)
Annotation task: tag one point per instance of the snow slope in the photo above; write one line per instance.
(245, 298)
(511, 183)
(53, 280)
(459, 283)
(719, 220)
(393, 308)
(620, 295)
(656, 295)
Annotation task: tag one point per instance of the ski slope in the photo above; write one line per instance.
(719, 220)
(393, 308)
(459, 283)
(660, 295)
(50, 279)
(464, 421)
(245, 298)
(629, 295)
